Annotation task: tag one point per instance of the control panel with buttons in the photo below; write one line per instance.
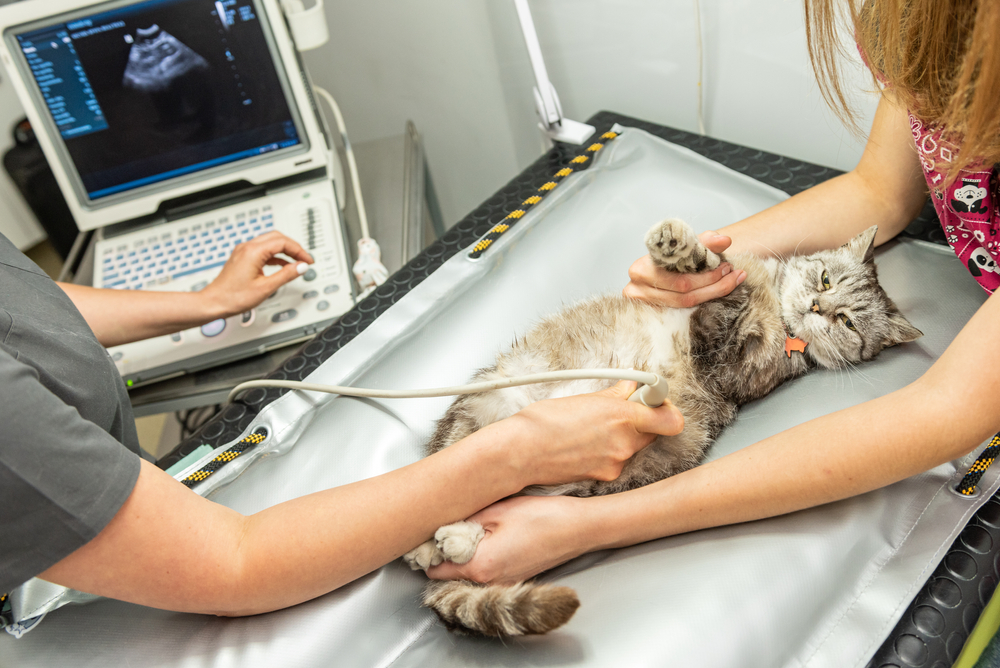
(187, 255)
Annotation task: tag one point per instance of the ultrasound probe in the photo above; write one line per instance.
(652, 391)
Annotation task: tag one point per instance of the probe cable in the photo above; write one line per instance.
(652, 391)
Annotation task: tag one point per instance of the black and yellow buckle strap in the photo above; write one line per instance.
(968, 485)
(223, 458)
(578, 163)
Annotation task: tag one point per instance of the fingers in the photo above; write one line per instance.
(665, 420)
(644, 271)
(447, 570)
(714, 241)
(623, 389)
(270, 244)
(655, 285)
(287, 274)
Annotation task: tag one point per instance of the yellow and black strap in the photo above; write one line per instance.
(978, 468)
(5, 618)
(578, 163)
(223, 458)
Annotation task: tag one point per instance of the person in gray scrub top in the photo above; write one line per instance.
(81, 508)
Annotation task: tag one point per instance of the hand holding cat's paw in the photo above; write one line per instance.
(672, 244)
(424, 556)
(458, 541)
(651, 282)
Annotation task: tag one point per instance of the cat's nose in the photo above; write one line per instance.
(815, 306)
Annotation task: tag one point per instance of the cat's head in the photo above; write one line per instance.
(833, 302)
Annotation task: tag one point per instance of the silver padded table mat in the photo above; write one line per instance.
(821, 587)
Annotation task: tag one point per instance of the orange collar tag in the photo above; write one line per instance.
(794, 344)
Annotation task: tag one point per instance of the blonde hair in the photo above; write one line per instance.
(939, 58)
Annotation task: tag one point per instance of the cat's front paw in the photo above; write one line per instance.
(673, 245)
(424, 556)
(458, 541)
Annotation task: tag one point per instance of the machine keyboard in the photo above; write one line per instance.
(144, 261)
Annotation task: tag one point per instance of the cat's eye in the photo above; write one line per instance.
(826, 280)
(847, 321)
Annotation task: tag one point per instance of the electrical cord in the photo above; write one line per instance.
(352, 165)
(652, 391)
(368, 270)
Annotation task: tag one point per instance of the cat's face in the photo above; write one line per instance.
(833, 302)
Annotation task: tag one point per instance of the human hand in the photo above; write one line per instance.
(242, 284)
(586, 436)
(655, 285)
(524, 536)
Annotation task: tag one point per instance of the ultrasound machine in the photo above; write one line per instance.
(179, 129)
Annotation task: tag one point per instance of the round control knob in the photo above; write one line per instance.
(247, 317)
(310, 274)
(214, 328)
(322, 305)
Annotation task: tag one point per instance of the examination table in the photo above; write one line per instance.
(897, 576)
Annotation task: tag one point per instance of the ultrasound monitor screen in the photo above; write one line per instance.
(159, 89)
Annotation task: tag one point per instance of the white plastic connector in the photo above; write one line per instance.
(369, 270)
(652, 395)
(308, 26)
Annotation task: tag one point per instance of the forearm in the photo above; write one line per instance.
(122, 316)
(887, 189)
(818, 462)
(824, 216)
(935, 419)
(370, 522)
(203, 557)
(169, 548)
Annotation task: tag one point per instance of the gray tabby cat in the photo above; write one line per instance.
(715, 357)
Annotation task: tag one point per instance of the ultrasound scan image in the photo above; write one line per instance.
(177, 87)
(158, 59)
(176, 79)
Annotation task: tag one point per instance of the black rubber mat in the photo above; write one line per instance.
(934, 628)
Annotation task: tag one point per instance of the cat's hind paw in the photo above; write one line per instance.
(458, 541)
(673, 245)
(424, 556)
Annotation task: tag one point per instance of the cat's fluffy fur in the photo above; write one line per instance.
(715, 357)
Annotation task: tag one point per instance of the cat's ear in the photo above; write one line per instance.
(900, 330)
(863, 245)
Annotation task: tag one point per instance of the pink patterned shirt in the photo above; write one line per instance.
(967, 208)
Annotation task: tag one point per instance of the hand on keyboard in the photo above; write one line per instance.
(242, 284)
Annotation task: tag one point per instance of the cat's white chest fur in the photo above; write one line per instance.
(669, 331)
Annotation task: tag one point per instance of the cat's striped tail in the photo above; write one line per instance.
(501, 610)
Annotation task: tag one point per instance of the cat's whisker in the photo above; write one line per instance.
(780, 257)
(796, 251)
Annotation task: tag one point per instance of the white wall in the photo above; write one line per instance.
(458, 69)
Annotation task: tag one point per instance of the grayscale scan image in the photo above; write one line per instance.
(157, 59)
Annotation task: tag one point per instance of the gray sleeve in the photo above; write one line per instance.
(62, 478)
